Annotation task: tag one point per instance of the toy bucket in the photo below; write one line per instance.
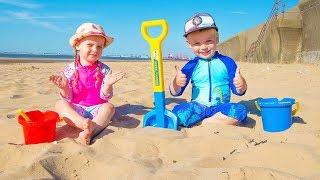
(277, 114)
(41, 128)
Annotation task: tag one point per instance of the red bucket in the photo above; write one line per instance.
(41, 128)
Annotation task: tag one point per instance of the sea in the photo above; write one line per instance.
(61, 57)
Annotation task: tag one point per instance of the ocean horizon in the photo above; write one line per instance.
(62, 57)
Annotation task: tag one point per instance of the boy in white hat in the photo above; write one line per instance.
(212, 77)
(86, 84)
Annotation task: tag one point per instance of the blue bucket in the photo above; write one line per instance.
(277, 114)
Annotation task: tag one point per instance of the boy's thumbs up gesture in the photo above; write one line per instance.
(180, 78)
(239, 82)
(179, 81)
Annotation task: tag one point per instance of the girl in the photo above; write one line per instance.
(86, 84)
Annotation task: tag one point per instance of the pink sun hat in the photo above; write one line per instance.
(89, 29)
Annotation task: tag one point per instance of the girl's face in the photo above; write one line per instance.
(203, 43)
(90, 49)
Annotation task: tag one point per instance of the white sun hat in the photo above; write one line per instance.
(89, 29)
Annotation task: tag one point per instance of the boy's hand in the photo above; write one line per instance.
(180, 78)
(111, 78)
(239, 82)
(60, 81)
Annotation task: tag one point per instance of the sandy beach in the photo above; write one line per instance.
(125, 150)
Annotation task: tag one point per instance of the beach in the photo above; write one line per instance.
(125, 150)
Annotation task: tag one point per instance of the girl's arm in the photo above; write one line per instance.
(107, 91)
(61, 82)
(108, 81)
(65, 92)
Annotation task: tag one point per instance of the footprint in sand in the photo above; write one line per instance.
(317, 134)
(256, 143)
(11, 116)
(44, 92)
(16, 96)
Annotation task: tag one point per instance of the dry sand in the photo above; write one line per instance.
(125, 150)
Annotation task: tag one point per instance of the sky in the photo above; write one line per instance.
(45, 26)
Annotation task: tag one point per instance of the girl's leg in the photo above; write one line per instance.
(98, 123)
(69, 115)
(103, 118)
(72, 118)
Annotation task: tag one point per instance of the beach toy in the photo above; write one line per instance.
(40, 128)
(25, 117)
(159, 116)
(277, 114)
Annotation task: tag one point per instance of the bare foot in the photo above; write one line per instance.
(85, 136)
(220, 118)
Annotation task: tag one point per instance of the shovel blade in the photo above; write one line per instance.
(169, 120)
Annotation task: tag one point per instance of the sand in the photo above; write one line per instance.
(125, 150)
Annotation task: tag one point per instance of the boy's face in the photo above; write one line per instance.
(90, 49)
(203, 43)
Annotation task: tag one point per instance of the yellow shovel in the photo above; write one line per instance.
(159, 117)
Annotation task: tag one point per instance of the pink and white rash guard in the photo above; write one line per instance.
(87, 91)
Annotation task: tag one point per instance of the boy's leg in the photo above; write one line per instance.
(220, 118)
(189, 113)
(228, 113)
(70, 116)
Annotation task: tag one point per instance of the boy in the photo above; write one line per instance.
(212, 76)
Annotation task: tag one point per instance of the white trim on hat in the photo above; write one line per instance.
(206, 21)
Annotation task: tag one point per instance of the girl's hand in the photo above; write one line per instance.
(60, 81)
(239, 82)
(111, 78)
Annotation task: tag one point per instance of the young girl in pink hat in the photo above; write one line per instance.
(85, 85)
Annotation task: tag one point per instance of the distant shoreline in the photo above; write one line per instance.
(26, 58)
(59, 57)
(57, 60)
(54, 60)
(32, 60)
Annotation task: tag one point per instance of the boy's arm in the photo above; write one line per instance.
(232, 69)
(182, 78)
(174, 88)
(239, 82)
(179, 81)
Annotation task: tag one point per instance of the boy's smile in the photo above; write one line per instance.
(203, 43)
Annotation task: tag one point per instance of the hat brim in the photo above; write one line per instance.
(199, 28)
(75, 39)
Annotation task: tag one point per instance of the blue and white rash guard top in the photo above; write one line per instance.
(211, 79)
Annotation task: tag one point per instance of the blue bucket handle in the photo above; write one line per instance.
(296, 107)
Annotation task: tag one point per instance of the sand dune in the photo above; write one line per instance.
(125, 150)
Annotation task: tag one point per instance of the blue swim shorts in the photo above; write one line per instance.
(190, 113)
